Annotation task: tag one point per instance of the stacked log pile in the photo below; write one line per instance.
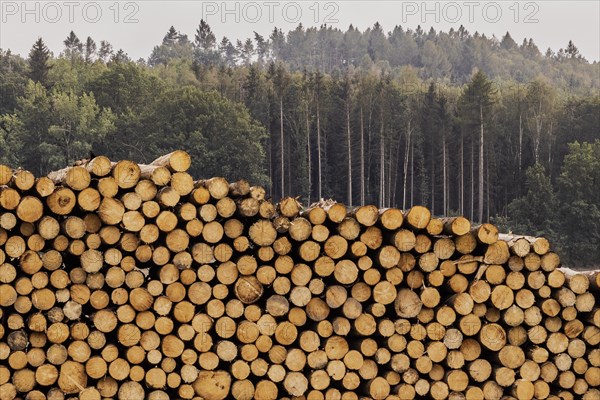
(128, 281)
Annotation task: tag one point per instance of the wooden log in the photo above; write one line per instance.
(418, 217)
(30, 209)
(248, 207)
(465, 244)
(158, 175)
(72, 378)
(126, 174)
(217, 187)
(60, 202)
(391, 218)
(77, 177)
(492, 336)
(407, 304)
(44, 186)
(99, 166)
(22, 180)
(497, 253)
(263, 233)
(177, 161)
(9, 198)
(289, 207)
(5, 174)
(486, 233)
(456, 226)
(435, 226)
(369, 215)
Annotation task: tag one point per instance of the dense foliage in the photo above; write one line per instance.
(457, 121)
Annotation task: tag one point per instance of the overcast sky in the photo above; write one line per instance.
(137, 26)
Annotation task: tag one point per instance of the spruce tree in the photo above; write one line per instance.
(120, 57)
(73, 46)
(572, 51)
(262, 47)
(38, 63)
(106, 51)
(508, 43)
(90, 50)
(171, 37)
(205, 38)
(476, 103)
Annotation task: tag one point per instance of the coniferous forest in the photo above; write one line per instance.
(463, 123)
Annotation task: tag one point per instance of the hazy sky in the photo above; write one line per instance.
(137, 26)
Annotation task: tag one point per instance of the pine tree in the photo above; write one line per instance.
(171, 37)
(205, 38)
(120, 57)
(105, 51)
(228, 52)
(278, 43)
(572, 51)
(175, 45)
(378, 44)
(318, 89)
(430, 128)
(540, 101)
(246, 51)
(281, 81)
(508, 43)
(262, 47)
(532, 49)
(73, 47)
(477, 101)
(38, 63)
(183, 39)
(90, 50)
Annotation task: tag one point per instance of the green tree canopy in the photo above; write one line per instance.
(222, 137)
(579, 197)
(536, 212)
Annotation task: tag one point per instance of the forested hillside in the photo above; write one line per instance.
(457, 121)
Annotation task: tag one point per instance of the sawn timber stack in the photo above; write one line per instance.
(128, 281)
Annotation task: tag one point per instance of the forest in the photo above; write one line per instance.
(460, 122)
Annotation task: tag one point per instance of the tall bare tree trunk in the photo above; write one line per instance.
(432, 177)
(539, 123)
(381, 163)
(405, 171)
(290, 182)
(550, 140)
(394, 203)
(412, 173)
(444, 173)
(319, 157)
(349, 143)
(362, 157)
(271, 175)
(370, 143)
(308, 152)
(481, 193)
(520, 157)
(67, 135)
(462, 174)
(487, 173)
(281, 145)
(389, 176)
(472, 205)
